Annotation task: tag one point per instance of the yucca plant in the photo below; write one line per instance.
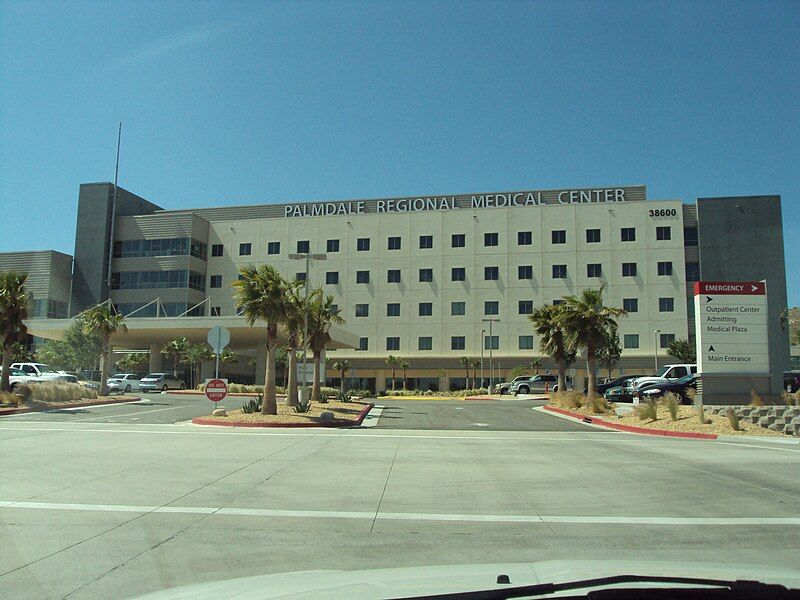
(252, 406)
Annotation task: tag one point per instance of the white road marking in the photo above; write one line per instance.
(372, 416)
(389, 516)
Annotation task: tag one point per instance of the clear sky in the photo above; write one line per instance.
(257, 102)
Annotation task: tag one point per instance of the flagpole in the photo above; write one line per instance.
(113, 211)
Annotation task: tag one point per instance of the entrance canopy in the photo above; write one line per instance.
(144, 331)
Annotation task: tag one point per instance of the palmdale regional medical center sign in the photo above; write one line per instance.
(472, 201)
(731, 327)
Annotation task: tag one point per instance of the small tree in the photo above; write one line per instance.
(133, 361)
(682, 350)
(176, 350)
(343, 366)
(465, 360)
(476, 363)
(609, 353)
(105, 322)
(195, 355)
(393, 362)
(404, 367)
(76, 350)
(518, 371)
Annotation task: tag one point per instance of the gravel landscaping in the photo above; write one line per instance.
(342, 412)
(37, 405)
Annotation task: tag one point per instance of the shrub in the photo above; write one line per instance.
(59, 392)
(252, 406)
(9, 398)
(302, 408)
(342, 397)
(598, 404)
(791, 399)
(328, 391)
(24, 391)
(733, 419)
(701, 414)
(201, 387)
(755, 399)
(672, 402)
(646, 410)
(362, 393)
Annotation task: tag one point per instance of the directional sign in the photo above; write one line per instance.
(218, 338)
(216, 389)
(731, 327)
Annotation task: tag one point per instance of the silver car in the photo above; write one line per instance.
(123, 382)
(160, 382)
(537, 383)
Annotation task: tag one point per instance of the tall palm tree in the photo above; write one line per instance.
(176, 350)
(393, 361)
(586, 323)
(13, 312)
(106, 321)
(552, 341)
(476, 363)
(343, 366)
(294, 319)
(465, 360)
(403, 364)
(260, 295)
(321, 315)
(536, 364)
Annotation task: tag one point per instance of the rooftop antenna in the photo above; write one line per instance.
(113, 211)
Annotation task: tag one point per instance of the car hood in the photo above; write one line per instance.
(420, 581)
(648, 380)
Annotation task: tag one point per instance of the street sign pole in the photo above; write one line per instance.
(218, 338)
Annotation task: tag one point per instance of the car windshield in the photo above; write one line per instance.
(154, 376)
(45, 368)
(662, 371)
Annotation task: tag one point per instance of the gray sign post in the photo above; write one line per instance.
(218, 338)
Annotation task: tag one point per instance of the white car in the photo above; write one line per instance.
(17, 377)
(123, 382)
(42, 371)
(666, 374)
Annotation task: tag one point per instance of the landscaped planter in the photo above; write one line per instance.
(785, 419)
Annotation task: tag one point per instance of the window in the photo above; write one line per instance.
(394, 243)
(594, 270)
(491, 342)
(215, 311)
(458, 309)
(558, 236)
(490, 239)
(458, 240)
(457, 342)
(300, 276)
(458, 274)
(362, 276)
(425, 309)
(362, 310)
(526, 307)
(630, 340)
(526, 342)
(491, 307)
(629, 269)
(666, 304)
(592, 236)
(665, 268)
(393, 276)
(690, 236)
(363, 344)
(630, 305)
(144, 280)
(334, 309)
(393, 309)
(392, 343)
(215, 281)
(665, 339)
(216, 250)
(245, 249)
(491, 273)
(426, 275)
(525, 272)
(332, 277)
(273, 248)
(161, 247)
(332, 246)
(663, 233)
(425, 343)
(627, 234)
(425, 242)
(303, 246)
(559, 271)
(692, 271)
(558, 301)
(362, 245)
(524, 238)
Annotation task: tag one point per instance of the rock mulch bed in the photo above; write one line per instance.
(341, 413)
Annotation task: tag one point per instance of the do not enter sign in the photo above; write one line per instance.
(216, 389)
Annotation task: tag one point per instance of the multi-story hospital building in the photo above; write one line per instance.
(417, 277)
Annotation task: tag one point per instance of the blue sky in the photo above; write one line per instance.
(254, 102)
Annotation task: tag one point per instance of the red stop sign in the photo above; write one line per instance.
(216, 390)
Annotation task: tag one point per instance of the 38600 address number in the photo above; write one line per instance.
(663, 212)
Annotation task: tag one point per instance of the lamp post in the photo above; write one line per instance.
(491, 347)
(483, 333)
(655, 347)
(308, 257)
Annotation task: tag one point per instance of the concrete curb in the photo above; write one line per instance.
(631, 428)
(28, 409)
(336, 423)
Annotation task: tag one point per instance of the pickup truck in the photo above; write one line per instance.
(665, 374)
(791, 381)
(17, 377)
(42, 371)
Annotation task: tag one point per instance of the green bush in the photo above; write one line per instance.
(328, 391)
(252, 406)
(342, 397)
(672, 402)
(646, 410)
(361, 393)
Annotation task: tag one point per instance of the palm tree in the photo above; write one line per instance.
(282, 361)
(195, 355)
(176, 350)
(343, 366)
(393, 361)
(536, 364)
(476, 363)
(105, 321)
(294, 319)
(228, 357)
(13, 312)
(320, 318)
(260, 295)
(586, 323)
(403, 367)
(552, 341)
(466, 362)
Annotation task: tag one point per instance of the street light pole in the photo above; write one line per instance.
(655, 348)
(483, 333)
(491, 347)
(308, 257)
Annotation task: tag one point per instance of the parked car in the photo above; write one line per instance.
(17, 377)
(537, 383)
(676, 386)
(505, 387)
(40, 370)
(623, 392)
(615, 382)
(123, 382)
(666, 374)
(160, 382)
(791, 381)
